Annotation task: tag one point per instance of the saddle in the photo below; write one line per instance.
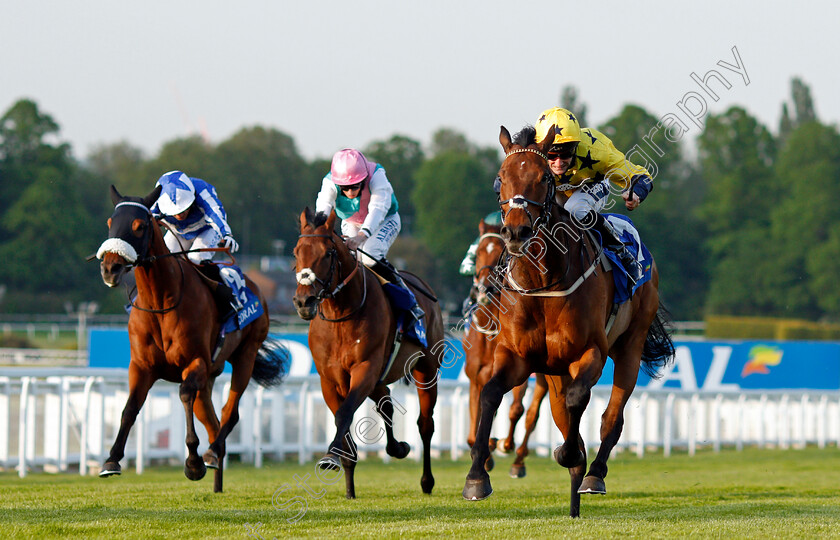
(402, 300)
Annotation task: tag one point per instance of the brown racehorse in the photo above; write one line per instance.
(556, 321)
(479, 345)
(351, 337)
(173, 328)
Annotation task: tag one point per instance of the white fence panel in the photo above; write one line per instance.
(62, 419)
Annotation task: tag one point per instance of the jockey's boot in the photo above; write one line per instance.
(613, 243)
(391, 274)
(223, 295)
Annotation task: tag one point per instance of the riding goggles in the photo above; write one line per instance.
(353, 187)
(561, 151)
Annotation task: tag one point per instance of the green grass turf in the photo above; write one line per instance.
(749, 494)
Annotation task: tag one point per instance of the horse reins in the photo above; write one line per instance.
(323, 294)
(518, 201)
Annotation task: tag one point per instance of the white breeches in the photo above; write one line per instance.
(588, 197)
(207, 239)
(379, 243)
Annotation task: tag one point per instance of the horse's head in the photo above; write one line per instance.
(527, 187)
(487, 255)
(129, 235)
(316, 257)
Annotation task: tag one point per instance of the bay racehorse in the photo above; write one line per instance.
(479, 345)
(558, 320)
(173, 329)
(352, 339)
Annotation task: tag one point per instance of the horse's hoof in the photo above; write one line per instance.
(477, 490)
(427, 483)
(567, 461)
(401, 450)
(517, 471)
(329, 463)
(489, 464)
(593, 485)
(110, 468)
(211, 460)
(194, 468)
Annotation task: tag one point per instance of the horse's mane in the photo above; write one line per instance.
(526, 136)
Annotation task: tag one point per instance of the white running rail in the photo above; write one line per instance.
(65, 419)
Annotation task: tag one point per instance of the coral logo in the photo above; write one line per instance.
(761, 358)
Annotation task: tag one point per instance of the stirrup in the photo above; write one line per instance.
(634, 270)
(417, 312)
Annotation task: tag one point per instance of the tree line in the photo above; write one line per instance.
(743, 224)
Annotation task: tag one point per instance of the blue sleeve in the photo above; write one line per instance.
(209, 202)
(642, 186)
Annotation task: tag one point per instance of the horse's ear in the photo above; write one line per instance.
(504, 139)
(482, 227)
(331, 221)
(115, 195)
(304, 218)
(150, 199)
(549, 139)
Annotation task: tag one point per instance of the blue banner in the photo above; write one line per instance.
(699, 365)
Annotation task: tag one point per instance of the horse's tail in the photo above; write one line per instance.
(272, 363)
(659, 348)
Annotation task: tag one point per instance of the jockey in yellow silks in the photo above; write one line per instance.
(584, 162)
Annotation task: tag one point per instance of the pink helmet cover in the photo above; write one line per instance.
(349, 167)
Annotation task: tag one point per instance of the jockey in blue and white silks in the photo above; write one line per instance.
(194, 218)
(193, 215)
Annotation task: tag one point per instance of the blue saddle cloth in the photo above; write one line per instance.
(402, 300)
(252, 308)
(630, 237)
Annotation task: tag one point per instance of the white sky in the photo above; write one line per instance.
(333, 74)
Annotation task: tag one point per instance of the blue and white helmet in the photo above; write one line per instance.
(178, 193)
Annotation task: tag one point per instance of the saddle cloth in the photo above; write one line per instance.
(630, 237)
(252, 308)
(402, 301)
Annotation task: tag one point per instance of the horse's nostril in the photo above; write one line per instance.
(505, 232)
(526, 233)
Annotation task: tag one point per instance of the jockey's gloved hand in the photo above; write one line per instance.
(355, 241)
(230, 243)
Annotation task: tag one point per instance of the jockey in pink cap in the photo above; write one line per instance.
(363, 198)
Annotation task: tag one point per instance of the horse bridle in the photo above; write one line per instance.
(325, 293)
(519, 201)
(143, 260)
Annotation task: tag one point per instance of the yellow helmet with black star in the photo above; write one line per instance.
(567, 128)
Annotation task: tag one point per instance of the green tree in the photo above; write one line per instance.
(264, 184)
(449, 140)
(191, 155)
(804, 224)
(122, 165)
(736, 155)
(46, 225)
(803, 108)
(401, 156)
(452, 194)
(668, 221)
(24, 147)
